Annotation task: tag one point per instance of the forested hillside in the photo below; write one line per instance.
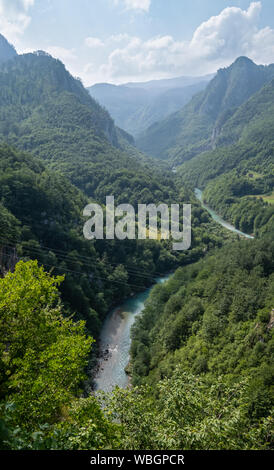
(239, 174)
(56, 119)
(206, 311)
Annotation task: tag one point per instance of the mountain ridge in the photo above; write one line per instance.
(135, 106)
(194, 128)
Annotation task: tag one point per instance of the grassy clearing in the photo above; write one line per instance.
(266, 197)
(269, 198)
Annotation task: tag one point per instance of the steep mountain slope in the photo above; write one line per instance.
(44, 110)
(252, 122)
(7, 51)
(49, 80)
(245, 139)
(136, 106)
(239, 174)
(213, 320)
(196, 127)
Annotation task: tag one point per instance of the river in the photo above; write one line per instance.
(217, 218)
(115, 334)
(115, 337)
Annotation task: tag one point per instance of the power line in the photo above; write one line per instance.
(38, 251)
(66, 270)
(64, 255)
(99, 277)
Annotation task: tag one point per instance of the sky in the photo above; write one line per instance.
(118, 41)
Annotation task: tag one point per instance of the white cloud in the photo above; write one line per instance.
(14, 18)
(158, 43)
(230, 33)
(93, 42)
(119, 37)
(138, 4)
(143, 5)
(215, 43)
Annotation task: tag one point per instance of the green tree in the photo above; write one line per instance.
(187, 412)
(43, 354)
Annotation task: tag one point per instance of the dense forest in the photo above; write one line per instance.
(207, 310)
(201, 367)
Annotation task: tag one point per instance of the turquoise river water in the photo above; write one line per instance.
(217, 218)
(115, 337)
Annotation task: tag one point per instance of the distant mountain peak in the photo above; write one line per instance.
(244, 60)
(7, 51)
(234, 84)
(195, 128)
(241, 62)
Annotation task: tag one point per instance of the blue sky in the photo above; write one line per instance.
(134, 40)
